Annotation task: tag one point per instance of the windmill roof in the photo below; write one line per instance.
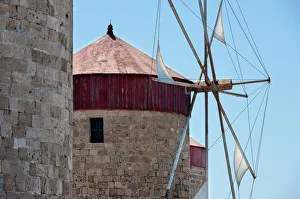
(195, 143)
(109, 55)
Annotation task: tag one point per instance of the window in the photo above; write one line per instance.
(97, 135)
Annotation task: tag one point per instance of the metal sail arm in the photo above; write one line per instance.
(207, 80)
(207, 44)
(181, 144)
(216, 94)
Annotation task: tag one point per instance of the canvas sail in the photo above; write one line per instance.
(240, 165)
(219, 30)
(162, 73)
(203, 192)
(161, 70)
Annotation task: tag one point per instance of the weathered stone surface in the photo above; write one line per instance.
(135, 159)
(197, 178)
(33, 95)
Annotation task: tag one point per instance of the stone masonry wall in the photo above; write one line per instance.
(35, 99)
(135, 159)
(197, 179)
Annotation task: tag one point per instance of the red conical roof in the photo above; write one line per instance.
(114, 56)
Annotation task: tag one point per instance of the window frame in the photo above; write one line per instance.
(96, 124)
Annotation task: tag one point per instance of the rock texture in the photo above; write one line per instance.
(35, 98)
(197, 179)
(135, 159)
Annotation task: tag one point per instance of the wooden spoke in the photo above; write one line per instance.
(252, 82)
(234, 94)
(216, 94)
(189, 41)
(233, 134)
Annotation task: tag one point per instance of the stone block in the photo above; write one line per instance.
(28, 3)
(21, 12)
(2, 152)
(41, 170)
(34, 185)
(20, 183)
(12, 11)
(11, 153)
(19, 143)
(21, 78)
(18, 131)
(5, 75)
(13, 25)
(7, 142)
(4, 10)
(31, 70)
(11, 64)
(10, 116)
(25, 26)
(9, 183)
(14, 2)
(42, 6)
(53, 23)
(36, 17)
(25, 119)
(29, 108)
(59, 188)
(4, 103)
(6, 50)
(55, 112)
(37, 56)
(23, 154)
(5, 130)
(38, 31)
(37, 121)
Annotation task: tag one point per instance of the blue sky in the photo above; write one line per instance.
(274, 25)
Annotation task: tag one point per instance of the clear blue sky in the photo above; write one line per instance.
(276, 29)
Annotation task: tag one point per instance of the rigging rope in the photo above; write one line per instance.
(225, 41)
(257, 158)
(261, 89)
(251, 35)
(234, 45)
(262, 130)
(248, 38)
(249, 138)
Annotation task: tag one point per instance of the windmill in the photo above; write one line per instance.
(210, 84)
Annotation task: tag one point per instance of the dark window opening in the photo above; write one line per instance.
(97, 134)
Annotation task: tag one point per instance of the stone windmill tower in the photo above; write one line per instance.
(35, 98)
(127, 127)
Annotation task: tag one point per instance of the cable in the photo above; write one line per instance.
(225, 41)
(267, 92)
(262, 130)
(247, 38)
(250, 34)
(239, 114)
(234, 44)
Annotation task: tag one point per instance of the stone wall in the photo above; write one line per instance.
(35, 98)
(135, 159)
(197, 179)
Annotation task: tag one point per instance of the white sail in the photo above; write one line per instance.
(240, 166)
(161, 70)
(203, 192)
(219, 30)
